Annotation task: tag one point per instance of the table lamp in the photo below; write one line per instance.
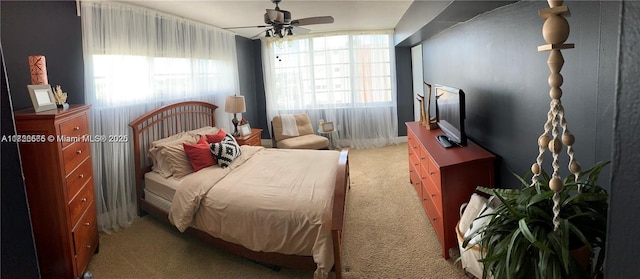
(235, 105)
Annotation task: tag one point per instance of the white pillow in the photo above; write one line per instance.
(478, 223)
(160, 163)
(207, 130)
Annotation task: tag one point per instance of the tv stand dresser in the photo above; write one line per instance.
(444, 179)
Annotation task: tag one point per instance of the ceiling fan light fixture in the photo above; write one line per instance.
(289, 31)
(268, 33)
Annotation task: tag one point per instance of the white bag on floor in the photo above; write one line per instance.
(469, 256)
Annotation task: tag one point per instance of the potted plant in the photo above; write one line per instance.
(519, 241)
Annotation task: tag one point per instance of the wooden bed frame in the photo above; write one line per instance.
(190, 115)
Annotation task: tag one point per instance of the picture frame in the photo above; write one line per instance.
(244, 130)
(327, 127)
(42, 97)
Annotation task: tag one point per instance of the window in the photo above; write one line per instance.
(152, 78)
(339, 70)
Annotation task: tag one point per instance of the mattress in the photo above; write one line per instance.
(162, 187)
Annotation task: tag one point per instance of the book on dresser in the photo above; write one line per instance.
(445, 178)
(58, 175)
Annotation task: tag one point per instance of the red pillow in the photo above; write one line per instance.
(199, 154)
(216, 138)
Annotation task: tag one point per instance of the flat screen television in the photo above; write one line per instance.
(450, 114)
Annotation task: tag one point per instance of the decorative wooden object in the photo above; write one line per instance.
(428, 121)
(250, 139)
(58, 176)
(555, 32)
(445, 178)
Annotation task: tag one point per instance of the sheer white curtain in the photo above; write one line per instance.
(345, 78)
(136, 60)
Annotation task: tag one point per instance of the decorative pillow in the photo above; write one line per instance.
(226, 151)
(217, 137)
(199, 154)
(155, 152)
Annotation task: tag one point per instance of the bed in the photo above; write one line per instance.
(305, 235)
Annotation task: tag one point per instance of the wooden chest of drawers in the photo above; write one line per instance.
(58, 176)
(444, 179)
(251, 139)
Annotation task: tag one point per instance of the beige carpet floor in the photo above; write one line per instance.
(387, 235)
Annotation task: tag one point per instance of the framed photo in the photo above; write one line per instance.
(244, 130)
(327, 127)
(42, 97)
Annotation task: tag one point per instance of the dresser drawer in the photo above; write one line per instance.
(433, 172)
(434, 218)
(433, 193)
(74, 154)
(81, 201)
(79, 177)
(75, 127)
(85, 238)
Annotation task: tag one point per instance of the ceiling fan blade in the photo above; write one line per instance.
(299, 30)
(241, 27)
(312, 20)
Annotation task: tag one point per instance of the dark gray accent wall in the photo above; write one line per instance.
(247, 79)
(494, 59)
(624, 208)
(404, 88)
(49, 28)
(261, 99)
(19, 258)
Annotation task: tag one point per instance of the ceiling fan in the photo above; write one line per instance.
(279, 23)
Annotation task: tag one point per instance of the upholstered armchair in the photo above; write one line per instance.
(306, 139)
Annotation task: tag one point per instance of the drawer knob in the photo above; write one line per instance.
(81, 175)
(83, 200)
(79, 151)
(88, 246)
(76, 128)
(433, 195)
(434, 219)
(432, 172)
(87, 224)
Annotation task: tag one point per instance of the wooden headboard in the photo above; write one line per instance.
(161, 123)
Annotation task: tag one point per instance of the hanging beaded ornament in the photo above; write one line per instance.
(555, 32)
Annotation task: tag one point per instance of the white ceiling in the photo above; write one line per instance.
(348, 14)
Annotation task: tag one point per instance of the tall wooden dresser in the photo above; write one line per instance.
(445, 178)
(58, 174)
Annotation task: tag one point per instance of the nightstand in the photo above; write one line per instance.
(251, 139)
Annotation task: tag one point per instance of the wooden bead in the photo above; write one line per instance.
(554, 3)
(555, 29)
(568, 139)
(555, 184)
(555, 61)
(543, 141)
(555, 93)
(555, 80)
(555, 146)
(575, 167)
(535, 168)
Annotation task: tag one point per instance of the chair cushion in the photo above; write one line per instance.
(302, 121)
(304, 142)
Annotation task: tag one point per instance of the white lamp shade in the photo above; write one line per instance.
(235, 104)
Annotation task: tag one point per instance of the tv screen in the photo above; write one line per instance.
(450, 115)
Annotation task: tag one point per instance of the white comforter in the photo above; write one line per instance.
(270, 200)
